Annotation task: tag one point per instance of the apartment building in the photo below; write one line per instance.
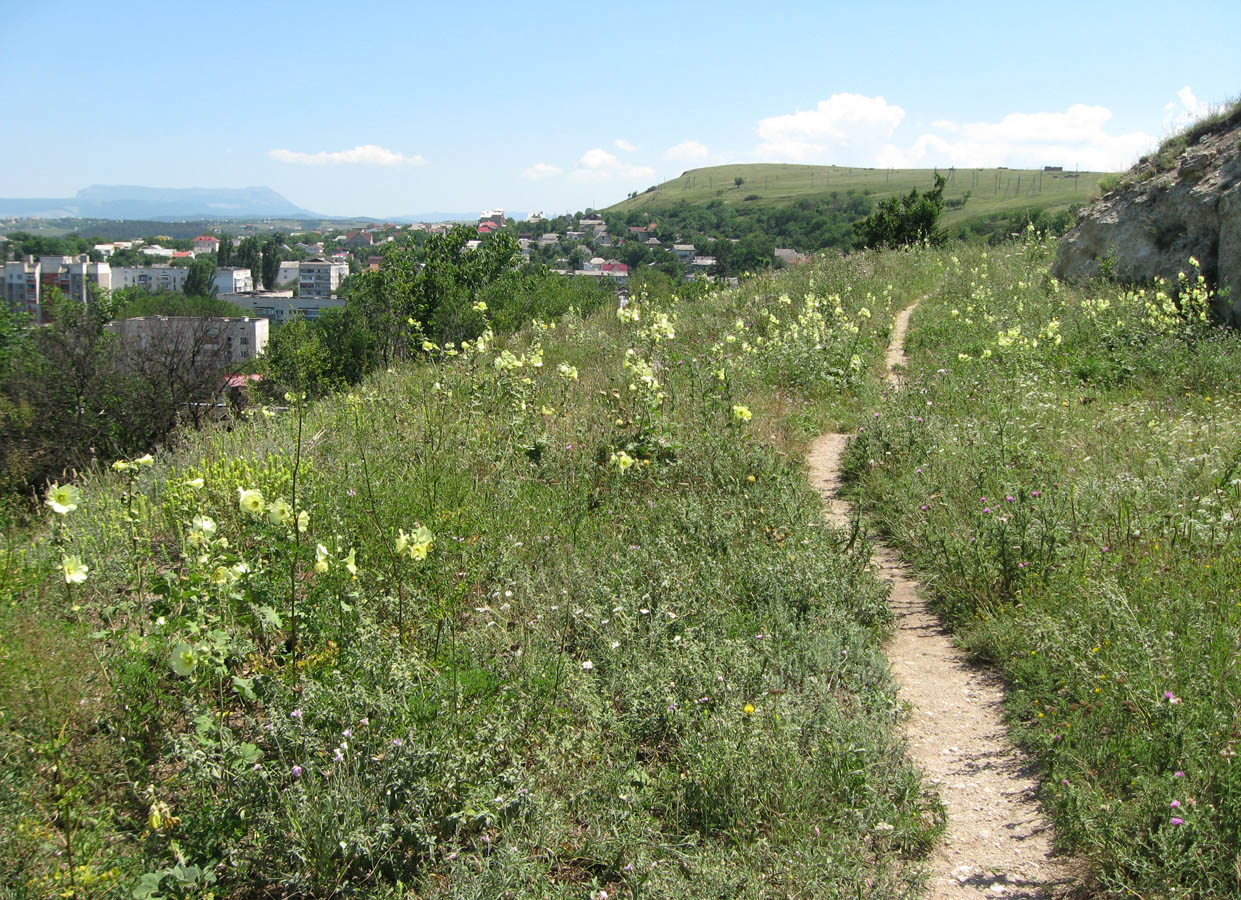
(319, 278)
(228, 339)
(232, 280)
(280, 306)
(150, 278)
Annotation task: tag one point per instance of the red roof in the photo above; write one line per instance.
(236, 381)
(181, 254)
(206, 237)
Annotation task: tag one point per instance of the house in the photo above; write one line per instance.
(702, 264)
(495, 216)
(487, 227)
(612, 265)
(232, 280)
(684, 252)
(652, 242)
(590, 222)
(183, 254)
(359, 239)
(205, 243)
(789, 257)
(157, 250)
(374, 262)
(104, 250)
(602, 240)
(546, 240)
(595, 264)
(473, 245)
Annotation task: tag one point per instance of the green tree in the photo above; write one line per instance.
(198, 282)
(249, 255)
(224, 256)
(271, 260)
(900, 221)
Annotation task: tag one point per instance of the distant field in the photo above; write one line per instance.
(990, 190)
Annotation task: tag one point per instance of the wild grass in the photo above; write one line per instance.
(972, 194)
(1063, 469)
(546, 617)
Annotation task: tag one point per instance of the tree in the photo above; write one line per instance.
(271, 260)
(198, 281)
(738, 181)
(900, 221)
(249, 255)
(224, 256)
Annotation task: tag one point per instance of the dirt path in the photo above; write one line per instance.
(998, 844)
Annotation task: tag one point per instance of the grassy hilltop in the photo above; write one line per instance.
(991, 191)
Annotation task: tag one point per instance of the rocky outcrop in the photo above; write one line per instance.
(1183, 201)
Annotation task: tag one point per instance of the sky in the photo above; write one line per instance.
(391, 109)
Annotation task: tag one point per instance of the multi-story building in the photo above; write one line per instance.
(280, 306)
(319, 278)
(21, 285)
(224, 339)
(232, 280)
(205, 243)
(150, 278)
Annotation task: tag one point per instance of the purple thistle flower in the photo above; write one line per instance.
(1176, 820)
(296, 771)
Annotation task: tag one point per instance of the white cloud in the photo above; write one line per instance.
(622, 144)
(840, 121)
(361, 155)
(541, 170)
(598, 164)
(1076, 137)
(690, 150)
(1184, 110)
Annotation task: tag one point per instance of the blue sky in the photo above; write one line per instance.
(387, 109)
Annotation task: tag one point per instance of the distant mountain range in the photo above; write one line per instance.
(106, 201)
(115, 201)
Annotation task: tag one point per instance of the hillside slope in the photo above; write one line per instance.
(990, 191)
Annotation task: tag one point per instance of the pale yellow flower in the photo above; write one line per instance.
(73, 569)
(622, 460)
(250, 501)
(421, 542)
(351, 562)
(147, 460)
(280, 512)
(742, 413)
(322, 563)
(63, 499)
(303, 521)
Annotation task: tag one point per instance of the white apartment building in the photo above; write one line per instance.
(150, 278)
(319, 278)
(280, 306)
(236, 339)
(232, 280)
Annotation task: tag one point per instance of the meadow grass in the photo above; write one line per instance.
(991, 191)
(1063, 468)
(543, 617)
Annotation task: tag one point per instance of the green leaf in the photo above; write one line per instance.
(245, 687)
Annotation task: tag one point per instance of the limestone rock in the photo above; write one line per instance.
(1162, 213)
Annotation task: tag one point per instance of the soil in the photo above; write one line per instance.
(997, 842)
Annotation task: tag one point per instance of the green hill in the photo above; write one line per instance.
(985, 192)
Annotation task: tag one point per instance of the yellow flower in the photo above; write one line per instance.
(184, 659)
(63, 499)
(250, 501)
(621, 460)
(303, 521)
(480, 306)
(121, 466)
(863, 313)
(280, 513)
(748, 709)
(402, 542)
(74, 570)
(567, 371)
(321, 559)
(742, 413)
(147, 460)
(421, 543)
(221, 576)
(351, 562)
(195, 483)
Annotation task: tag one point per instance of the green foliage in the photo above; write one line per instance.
(198, 281)
(558, 619)
(901, 221)
(134, 302)
(1062, 466)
